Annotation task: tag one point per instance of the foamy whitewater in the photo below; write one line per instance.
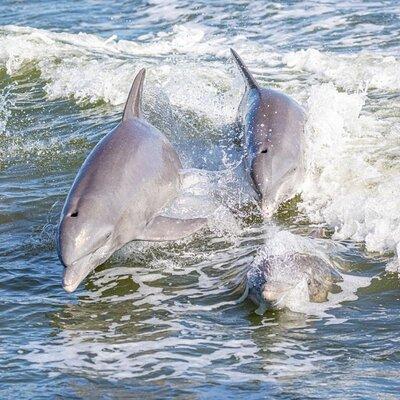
(171, 320)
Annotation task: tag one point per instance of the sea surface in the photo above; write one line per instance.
(169, 320)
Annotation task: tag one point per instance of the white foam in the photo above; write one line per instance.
(201, 195)
(349, 71)
(90, 68)
(298, 302)
(352, 171)
(91, 354)
(280, 242)
(5, 111)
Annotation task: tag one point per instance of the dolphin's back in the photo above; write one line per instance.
(125, 167)
(270, 114)
(264, 113)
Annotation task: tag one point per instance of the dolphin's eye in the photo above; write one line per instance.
(265, 151)
(74, 214)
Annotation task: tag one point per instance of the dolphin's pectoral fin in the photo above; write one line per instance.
(166, 228)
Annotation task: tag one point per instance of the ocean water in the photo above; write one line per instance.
(169, 320)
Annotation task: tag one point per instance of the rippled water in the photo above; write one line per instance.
(170, 320)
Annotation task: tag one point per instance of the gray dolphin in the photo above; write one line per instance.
(271, 278)
(118, 193)
(273, 124)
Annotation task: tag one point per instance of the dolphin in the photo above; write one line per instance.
(273, 124)
(272, 278)
(118, 194)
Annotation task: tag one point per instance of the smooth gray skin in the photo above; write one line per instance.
(273, 124)
(126, 180)
(272, 277)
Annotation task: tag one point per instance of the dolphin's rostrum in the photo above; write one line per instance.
(118, 193)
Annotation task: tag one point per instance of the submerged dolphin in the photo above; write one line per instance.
(273, 124)
(126, 180)
(272, 278)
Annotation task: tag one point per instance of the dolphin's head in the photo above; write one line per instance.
(86, 238)
(266, 287)
(273, 169)
(274, 281)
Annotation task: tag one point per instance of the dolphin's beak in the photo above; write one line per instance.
(75, 273)
(78, 270)
(70, 287)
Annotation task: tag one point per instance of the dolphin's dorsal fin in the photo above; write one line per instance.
(133, 106)
(250, 81)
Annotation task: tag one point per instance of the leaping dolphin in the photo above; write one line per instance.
(273, 124)
(118, 193)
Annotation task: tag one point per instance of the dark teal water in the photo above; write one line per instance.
(169, 320)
